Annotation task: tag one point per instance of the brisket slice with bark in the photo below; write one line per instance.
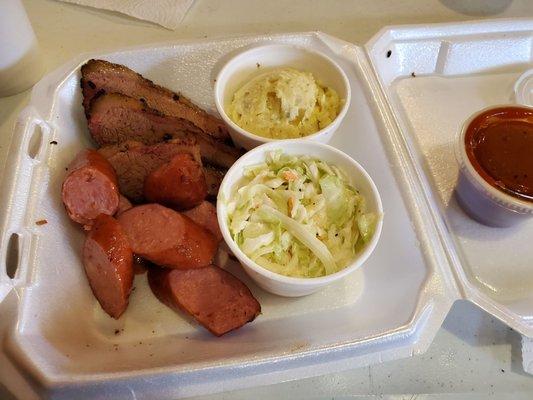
(213, 178)
(134, 161)
(100, 75)
(115, 118)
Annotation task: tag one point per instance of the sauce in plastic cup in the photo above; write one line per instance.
(494, 185)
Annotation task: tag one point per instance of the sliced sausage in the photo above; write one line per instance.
(90, 188)
(134, 161)
(167, 238)
(107, 258)
(205, 215)
(212, 296)
(178, 184)
(140, 265)
(123, 205)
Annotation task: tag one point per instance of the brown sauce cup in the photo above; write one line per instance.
(495, 154)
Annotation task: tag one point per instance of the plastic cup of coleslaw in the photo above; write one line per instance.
(288, 285)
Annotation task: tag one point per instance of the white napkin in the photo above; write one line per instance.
(167, 13)
(527, 354)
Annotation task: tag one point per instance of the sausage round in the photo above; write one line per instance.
(90, 188)
(179, 183)
(123, 205)
(167, 238)
(212, 296)
(205, 215)
(107, 258)
(140, 265)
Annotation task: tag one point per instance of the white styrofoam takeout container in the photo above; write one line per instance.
(257, 60)
(412, 87)
(358, 178)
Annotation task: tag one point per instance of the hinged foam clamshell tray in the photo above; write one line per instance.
(399, 127)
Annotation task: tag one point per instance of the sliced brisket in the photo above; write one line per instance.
(115, 118)
(100, 75)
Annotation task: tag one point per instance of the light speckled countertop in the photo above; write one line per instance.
(473, 355)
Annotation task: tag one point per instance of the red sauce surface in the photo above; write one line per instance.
(499, 144)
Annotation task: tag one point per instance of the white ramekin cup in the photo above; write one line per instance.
(280, 284)
(252, 62)
(523, 88)
(482, 201)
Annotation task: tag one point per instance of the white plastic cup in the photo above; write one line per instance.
(20, 62)
(523, 89)
(256, 60)
(295, 286)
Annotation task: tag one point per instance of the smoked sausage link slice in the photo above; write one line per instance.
(134, 161)
(205, 215)
(123, 205)
(212, 296)
(167, 238)
(90, 188)
(140, 265)
(107, 258)
(178, 184)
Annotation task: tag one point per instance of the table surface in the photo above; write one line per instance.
(473, 355)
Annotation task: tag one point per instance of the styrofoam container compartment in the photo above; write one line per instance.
(433, 80)
(411, 89)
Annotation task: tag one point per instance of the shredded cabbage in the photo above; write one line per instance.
(298, 216)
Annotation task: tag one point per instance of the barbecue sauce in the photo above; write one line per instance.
(499, 144)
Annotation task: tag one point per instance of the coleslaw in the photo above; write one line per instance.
(299, 216)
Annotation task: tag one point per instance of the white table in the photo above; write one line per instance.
(473, 355)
